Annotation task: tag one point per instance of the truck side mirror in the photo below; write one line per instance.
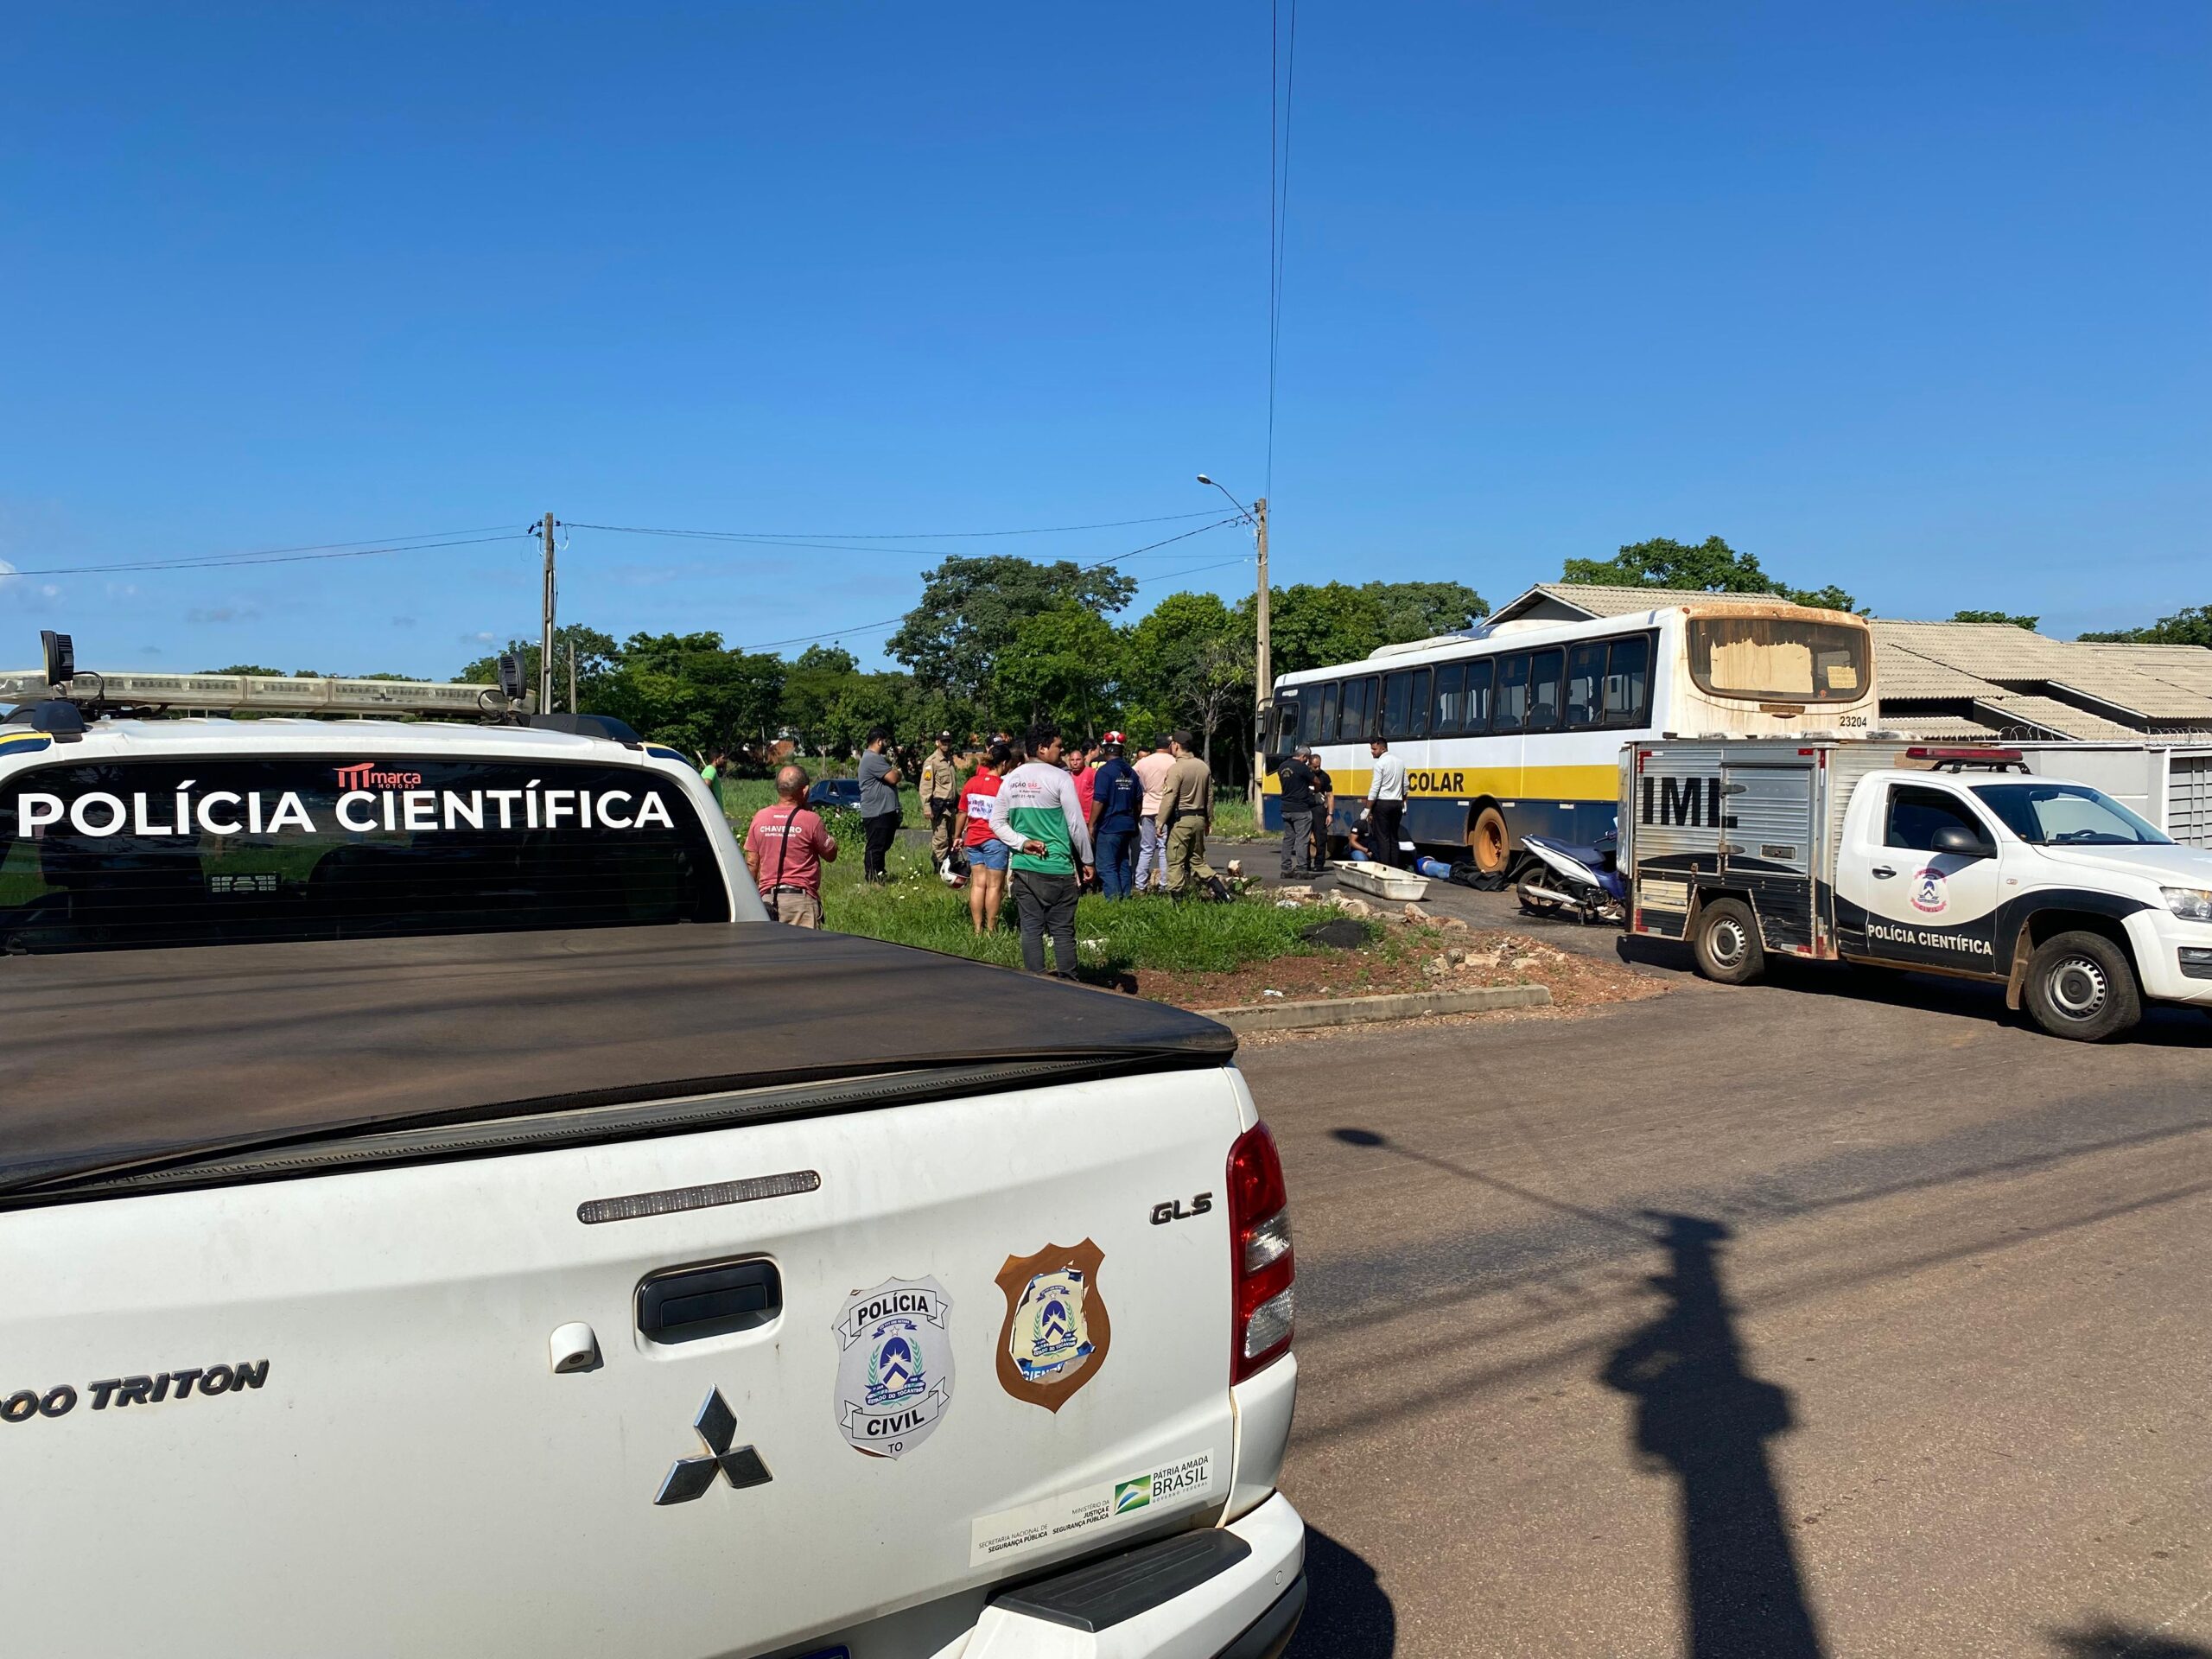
(1956, 838)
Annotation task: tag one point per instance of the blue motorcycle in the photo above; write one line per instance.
(1585, 880)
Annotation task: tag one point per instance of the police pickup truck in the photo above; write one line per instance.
(440, 1215)
(1950, 860)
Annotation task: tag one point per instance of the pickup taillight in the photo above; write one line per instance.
(1260, 1262)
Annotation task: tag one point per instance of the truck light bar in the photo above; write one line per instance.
(1976, 756)
(262, 694)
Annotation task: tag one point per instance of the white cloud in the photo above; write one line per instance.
(222, 613)
(480, 638)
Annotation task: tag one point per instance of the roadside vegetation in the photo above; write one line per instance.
(1117, 939)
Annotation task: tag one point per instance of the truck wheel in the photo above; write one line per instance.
(2081, 986)
(1727, 942)
(1488, 842)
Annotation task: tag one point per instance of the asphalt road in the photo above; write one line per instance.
(1839, 1316)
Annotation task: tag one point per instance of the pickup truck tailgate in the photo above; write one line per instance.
(728, 1391)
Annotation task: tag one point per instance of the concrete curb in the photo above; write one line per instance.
(1358, 1010)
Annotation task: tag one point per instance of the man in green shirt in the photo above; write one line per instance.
(1039, 815)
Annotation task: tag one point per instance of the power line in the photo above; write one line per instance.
(892, 622)
(248, 560)
(818, 537)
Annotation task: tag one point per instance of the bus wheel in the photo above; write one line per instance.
(1489, 842)
(2081, 986)
(1727, 942)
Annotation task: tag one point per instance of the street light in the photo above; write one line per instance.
(1244, 511)
(1263, 678)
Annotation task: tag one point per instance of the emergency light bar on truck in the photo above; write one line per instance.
(59, 680)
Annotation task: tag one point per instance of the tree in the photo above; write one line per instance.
(1188, 661)
(2191, 626)
(686, 690)
(1059, 666)
(1316, 627)
(2027, 622)
(598, 658)
(1215, 681)
(972, 607)
(1710, 567)
(254, 669)
(812, 688)
(1421, 610)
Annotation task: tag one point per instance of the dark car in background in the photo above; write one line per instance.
(836, 793)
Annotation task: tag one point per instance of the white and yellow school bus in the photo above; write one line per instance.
(1517, 730)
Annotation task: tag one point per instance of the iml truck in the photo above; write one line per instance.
(1957, 860)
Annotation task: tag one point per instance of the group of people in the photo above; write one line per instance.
(1308, 795)
(1041, 816)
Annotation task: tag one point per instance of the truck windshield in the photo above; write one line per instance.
(1778, 658)
(216, 851)
(2066, 815)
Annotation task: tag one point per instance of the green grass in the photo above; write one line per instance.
(915, 907)
(743, 797)
(1232, 816)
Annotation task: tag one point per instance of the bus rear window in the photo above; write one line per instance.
(1777, 659)
(217, 851)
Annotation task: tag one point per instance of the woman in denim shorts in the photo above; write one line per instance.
(987, 854)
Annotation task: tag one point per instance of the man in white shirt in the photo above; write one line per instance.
(1386, 804)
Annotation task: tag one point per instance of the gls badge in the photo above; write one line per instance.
(1173, 1209)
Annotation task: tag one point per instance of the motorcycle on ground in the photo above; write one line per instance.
(1583, 880)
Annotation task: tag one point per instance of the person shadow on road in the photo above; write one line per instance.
(1698, 1415)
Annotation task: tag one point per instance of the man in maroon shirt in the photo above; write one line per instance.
(785, 848)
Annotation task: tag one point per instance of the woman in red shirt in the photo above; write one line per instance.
(987, 854)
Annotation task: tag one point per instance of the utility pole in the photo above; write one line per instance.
(1263, 679)
(545, 638)
(572, 676)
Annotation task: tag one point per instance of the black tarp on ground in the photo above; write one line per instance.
(109, 1058)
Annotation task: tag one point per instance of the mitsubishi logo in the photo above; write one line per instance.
(717, 1427)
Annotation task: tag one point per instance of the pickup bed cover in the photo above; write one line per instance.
(123, 1059)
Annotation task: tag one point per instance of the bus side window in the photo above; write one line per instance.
(1355, 715)
(1628, 682)
(1478, 697)
(1404, 704)
(1450, 709)
(1543, 689)
(1286, 722)
(1397, 705)
(1322, 729)
(1585, 674)
(1512, 692)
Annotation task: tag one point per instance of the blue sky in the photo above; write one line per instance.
(1910, 298)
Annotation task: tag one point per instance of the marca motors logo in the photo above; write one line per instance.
(1929, 894)
(367, 776)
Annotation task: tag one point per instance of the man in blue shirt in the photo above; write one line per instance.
(1116, 798)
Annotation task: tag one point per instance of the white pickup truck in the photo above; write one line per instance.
(507, 1242)
(1943, 860)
